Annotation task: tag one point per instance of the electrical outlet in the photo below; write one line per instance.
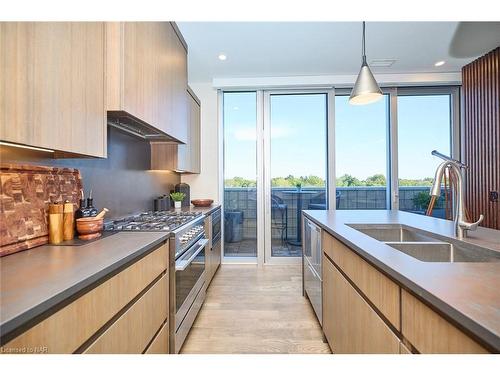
(493, 196)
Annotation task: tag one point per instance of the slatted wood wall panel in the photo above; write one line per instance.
(481, 132)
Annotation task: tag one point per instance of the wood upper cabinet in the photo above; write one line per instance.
(185, 158)
(52, 85)
(349, 323)
(188, 156)
(147, 75)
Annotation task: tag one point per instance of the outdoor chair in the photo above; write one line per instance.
(279, 210)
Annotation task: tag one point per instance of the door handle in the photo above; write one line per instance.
(183, 264)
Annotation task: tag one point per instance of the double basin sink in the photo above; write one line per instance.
(425, 246)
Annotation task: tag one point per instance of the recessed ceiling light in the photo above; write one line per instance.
(439, 63)
(222, 57)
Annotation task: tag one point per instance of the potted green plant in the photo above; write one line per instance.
(177, 197)
(298, 185)
(421, 200)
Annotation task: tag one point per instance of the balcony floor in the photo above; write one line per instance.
(248, 248)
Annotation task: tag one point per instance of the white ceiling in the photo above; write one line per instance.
(267, 49)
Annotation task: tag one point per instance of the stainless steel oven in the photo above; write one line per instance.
(187, 287)
(187, 263)
(189, 277)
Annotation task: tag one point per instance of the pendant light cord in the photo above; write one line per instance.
(363, 49)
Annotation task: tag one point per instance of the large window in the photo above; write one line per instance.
(361, 154)
(370, 174)
(424, 124)
(277, 155)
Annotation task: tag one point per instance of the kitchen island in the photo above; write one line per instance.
(463, 294)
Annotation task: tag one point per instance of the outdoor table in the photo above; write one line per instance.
(298, 241)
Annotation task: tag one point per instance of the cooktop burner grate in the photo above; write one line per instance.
(152, 221)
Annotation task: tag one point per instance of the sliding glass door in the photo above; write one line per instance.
(240, 174)
(275, 165)
(295, 170)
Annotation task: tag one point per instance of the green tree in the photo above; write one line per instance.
(376, 180)
(421, 200)
(348, 180)
(239, 182)
(315, 181)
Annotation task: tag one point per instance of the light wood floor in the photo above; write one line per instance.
(256, 310)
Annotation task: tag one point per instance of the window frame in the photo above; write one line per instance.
(392, 155)
(454, 93)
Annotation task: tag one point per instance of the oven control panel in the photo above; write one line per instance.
(190, 234)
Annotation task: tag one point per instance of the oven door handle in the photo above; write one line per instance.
(183, 264)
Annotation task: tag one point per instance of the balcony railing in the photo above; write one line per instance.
(244, 200)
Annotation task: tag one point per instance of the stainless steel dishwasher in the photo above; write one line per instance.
(311, 262)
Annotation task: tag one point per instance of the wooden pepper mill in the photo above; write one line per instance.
(56, 224)
(69, 221)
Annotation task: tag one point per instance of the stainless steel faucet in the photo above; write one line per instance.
(456, 167)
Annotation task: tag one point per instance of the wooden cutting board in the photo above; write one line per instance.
(25, 194)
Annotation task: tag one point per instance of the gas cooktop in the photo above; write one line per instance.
(152, 221)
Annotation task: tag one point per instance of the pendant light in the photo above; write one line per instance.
(366, 89)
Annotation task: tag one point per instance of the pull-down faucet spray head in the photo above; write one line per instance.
(436, 185)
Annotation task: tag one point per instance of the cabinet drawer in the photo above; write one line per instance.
(312, 286)
(86, 315)
(350, 324)
(132, 332)
(428, 332)
(403, 349)
(377, 287)
(160, 342)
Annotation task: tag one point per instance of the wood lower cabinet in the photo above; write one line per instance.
(378, 288)
(133, 331)
(147, 75)
(52, 78)
(366, 312)
(75, 326)
(428, 332)
(403, 349)
(349, 323)
(160, 343)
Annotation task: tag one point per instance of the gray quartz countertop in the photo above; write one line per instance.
(466, 293)
(34, 281)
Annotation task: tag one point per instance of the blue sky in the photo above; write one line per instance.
(298, 135)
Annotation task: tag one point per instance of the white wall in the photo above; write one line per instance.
(206, 184)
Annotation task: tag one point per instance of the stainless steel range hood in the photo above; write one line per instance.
(132, 125)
